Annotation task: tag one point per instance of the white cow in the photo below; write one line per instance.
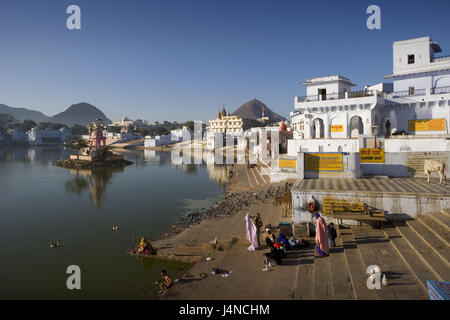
(435, 165)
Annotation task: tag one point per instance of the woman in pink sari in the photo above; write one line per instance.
(322, 248)
(251, 233)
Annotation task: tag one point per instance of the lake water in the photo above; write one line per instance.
(41, 203)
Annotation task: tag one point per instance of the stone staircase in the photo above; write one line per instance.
(423, 245)
(408, 254)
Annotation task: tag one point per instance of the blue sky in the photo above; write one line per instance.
(181, 60)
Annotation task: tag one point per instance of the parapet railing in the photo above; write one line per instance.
(440, 90)
(336, 96)
(441, 58)
(368, 93)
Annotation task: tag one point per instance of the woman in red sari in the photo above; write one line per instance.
(322, 248)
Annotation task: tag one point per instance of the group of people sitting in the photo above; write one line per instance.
(278, 247)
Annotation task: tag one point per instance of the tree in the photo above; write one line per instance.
(144, 132)
(27, 125)
(78, 129)
(76, 143)
(190, 125)
(57, 126)
(114, 129)
(103, 153)
(7, 121)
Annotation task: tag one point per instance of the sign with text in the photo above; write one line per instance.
(337, 128)
(371, 155)
(286, 163)
(426, 125)
(332, 161)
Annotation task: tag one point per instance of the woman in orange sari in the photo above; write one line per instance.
(322, 248)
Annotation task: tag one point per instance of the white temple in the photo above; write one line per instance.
(416, 104)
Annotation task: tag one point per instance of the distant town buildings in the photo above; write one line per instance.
(36, 136)
(177, 135)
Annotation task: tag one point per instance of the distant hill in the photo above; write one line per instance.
(81, 113)
(253, 110)
(22, 114)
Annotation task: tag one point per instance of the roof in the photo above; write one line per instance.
(326, 80)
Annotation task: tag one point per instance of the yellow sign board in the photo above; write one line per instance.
(324, 162)
(331, 203)
(337, 128)
(426, 125)
(286, 163)
(371, 155)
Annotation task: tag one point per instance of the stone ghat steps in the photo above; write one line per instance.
(341, 283)
(425, 229)
(354, 266)
(416, 265)
(376, 249)
(429, 256)
(442, 218)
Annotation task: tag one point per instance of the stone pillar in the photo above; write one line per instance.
(300, 165)
(327, 127)
(346, 133)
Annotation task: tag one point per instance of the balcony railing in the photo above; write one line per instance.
(335, 96)
(440, 90)
(368, 93)
(441, 59)
(406, 93)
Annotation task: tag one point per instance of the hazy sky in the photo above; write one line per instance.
(180, 60)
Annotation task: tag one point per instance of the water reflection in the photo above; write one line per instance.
(96, 180)
(218, 173)
(29, 154)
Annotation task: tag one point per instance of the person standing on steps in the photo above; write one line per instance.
(322, 248)
(332, 235)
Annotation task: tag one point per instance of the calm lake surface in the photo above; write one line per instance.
(41, 203)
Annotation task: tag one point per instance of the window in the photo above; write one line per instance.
(410, 59)
(411, 91)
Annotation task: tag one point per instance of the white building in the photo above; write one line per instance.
(181, 134)
(47, 136)
(178, 135)
(331, 114)
(123, 123)
(226, 123)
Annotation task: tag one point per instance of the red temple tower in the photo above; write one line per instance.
(97, 139)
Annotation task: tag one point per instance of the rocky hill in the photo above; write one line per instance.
(253, 110)
(81, 113)
(22, 114)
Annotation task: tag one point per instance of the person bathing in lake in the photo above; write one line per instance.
(322, 248)
(144, 247)
(165, 282)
